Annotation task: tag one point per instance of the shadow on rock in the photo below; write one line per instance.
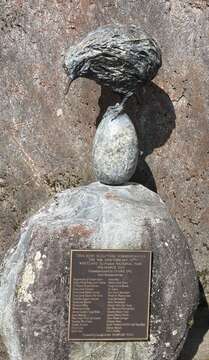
(108, 98)
(153, 115)
(143, 175)
(198, 330)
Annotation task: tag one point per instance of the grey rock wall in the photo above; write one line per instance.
(45, 138)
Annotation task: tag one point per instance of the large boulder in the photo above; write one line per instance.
(35, 275)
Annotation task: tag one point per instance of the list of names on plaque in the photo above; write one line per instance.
(109, 295)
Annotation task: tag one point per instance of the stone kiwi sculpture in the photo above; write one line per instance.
(123, 58)
(34, 277)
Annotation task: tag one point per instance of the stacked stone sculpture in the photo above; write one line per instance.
(122, 57)
(108, 214)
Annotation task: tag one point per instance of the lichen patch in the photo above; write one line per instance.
(37, 261)
(28, 279)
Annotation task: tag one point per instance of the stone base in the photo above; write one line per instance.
(35, 275)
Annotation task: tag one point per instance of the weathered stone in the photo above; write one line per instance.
(35, 276)
(46, 138)
(115, 148)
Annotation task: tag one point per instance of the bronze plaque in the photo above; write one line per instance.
(109, 295)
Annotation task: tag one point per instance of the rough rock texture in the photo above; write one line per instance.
(115, 147)
(35, 277)
(46, 138)
(121, 57)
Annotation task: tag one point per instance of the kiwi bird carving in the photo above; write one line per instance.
(122, 57)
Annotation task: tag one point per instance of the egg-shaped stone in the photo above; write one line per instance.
(115, 148)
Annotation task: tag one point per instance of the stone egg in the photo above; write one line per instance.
(115, 148)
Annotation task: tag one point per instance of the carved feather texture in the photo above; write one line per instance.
(121, 57)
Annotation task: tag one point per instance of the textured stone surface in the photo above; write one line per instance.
(35, 277)
(121, 57)
(115, 147)
(45, 138)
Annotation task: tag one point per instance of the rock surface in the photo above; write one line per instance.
(46, 138)
(35, 276)
(115, 148)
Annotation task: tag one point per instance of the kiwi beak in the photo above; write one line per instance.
(67, 86)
